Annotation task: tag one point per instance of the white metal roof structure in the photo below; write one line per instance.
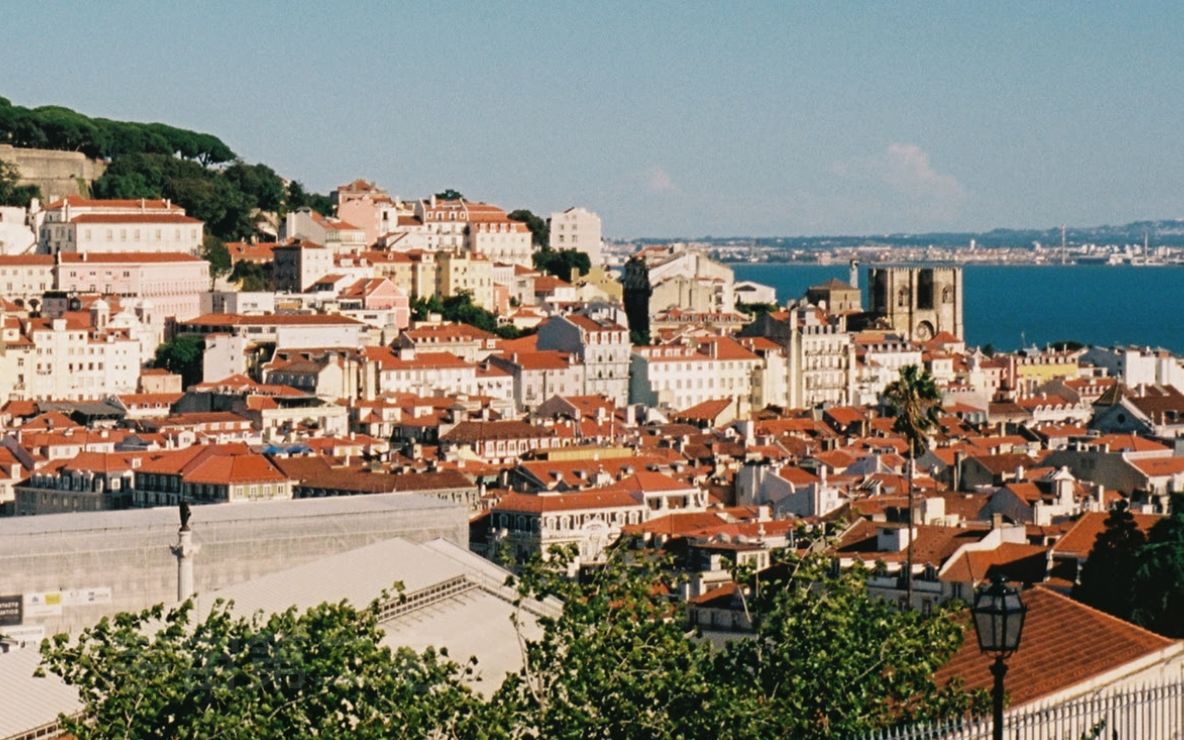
(454, 599)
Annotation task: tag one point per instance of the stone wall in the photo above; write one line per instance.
(57, 173)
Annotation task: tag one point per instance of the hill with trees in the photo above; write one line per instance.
(196, 170)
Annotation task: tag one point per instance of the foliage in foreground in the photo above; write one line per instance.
(828, 660)
(1137, 577)
(322, 672)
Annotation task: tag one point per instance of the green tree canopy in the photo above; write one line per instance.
(539, 231)
(213, 250)
(56, 127)
(914, 402)
(831, 660)
(828, 658)
(298, 197)
(1109, 571)
(461, 309)
(450, 194)
(616, 661)
(1157, 585)
(182, 355)
(251, 276)
(756, 309)
(560, 263)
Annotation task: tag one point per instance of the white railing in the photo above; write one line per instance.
(1134, 712)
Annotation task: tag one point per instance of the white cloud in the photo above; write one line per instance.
(903, 173)
(658, 180)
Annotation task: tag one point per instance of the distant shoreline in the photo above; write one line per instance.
(945, 263)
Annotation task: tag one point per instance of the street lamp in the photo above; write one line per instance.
(998, 619)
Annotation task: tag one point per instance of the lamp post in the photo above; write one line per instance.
(998, 620)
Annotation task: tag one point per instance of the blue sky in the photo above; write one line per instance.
(668, 118)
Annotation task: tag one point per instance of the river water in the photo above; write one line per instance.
(1011, 305)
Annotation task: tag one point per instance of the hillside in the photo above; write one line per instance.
(155, 160)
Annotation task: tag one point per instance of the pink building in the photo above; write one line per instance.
(368, 207)
(379, 294)
(172, 282)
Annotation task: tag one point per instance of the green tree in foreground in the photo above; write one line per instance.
(831, 660)
(616, 663)
(182, 355)
(1158, 580)
(828, 659)
(1109, 571)
(320, 673)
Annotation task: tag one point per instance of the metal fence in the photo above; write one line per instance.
(1150, 712)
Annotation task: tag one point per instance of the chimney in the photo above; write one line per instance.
(959, 456)
(996, 521)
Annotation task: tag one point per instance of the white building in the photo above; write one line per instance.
(26, 277)
(681, 375)
(72, 358)
(332, 233)
(75, 224)
(579, 229)
(1137, 366)
(602, 346)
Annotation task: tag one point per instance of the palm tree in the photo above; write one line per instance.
(914, 401)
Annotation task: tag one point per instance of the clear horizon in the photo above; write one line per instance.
(760, 119)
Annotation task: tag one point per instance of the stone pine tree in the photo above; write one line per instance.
(1109, 571)
(914, 401)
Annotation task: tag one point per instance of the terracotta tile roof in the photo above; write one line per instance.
(30, 260)
(1159, 466)
(77, 201)
(527, 503)
(390, 360)
(233, 469)
(1016, 561)
(933, 544)
(707, 411)
(541, 360)
(133, 218)
(481, 431)
(232, 319)
(1064, 643)
(1079, 540)
(126, 257)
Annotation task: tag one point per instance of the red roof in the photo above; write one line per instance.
(233, 319)
(126, 257)
(1079, 540)
(527, 503)
(1064, 643)
(133, 218)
